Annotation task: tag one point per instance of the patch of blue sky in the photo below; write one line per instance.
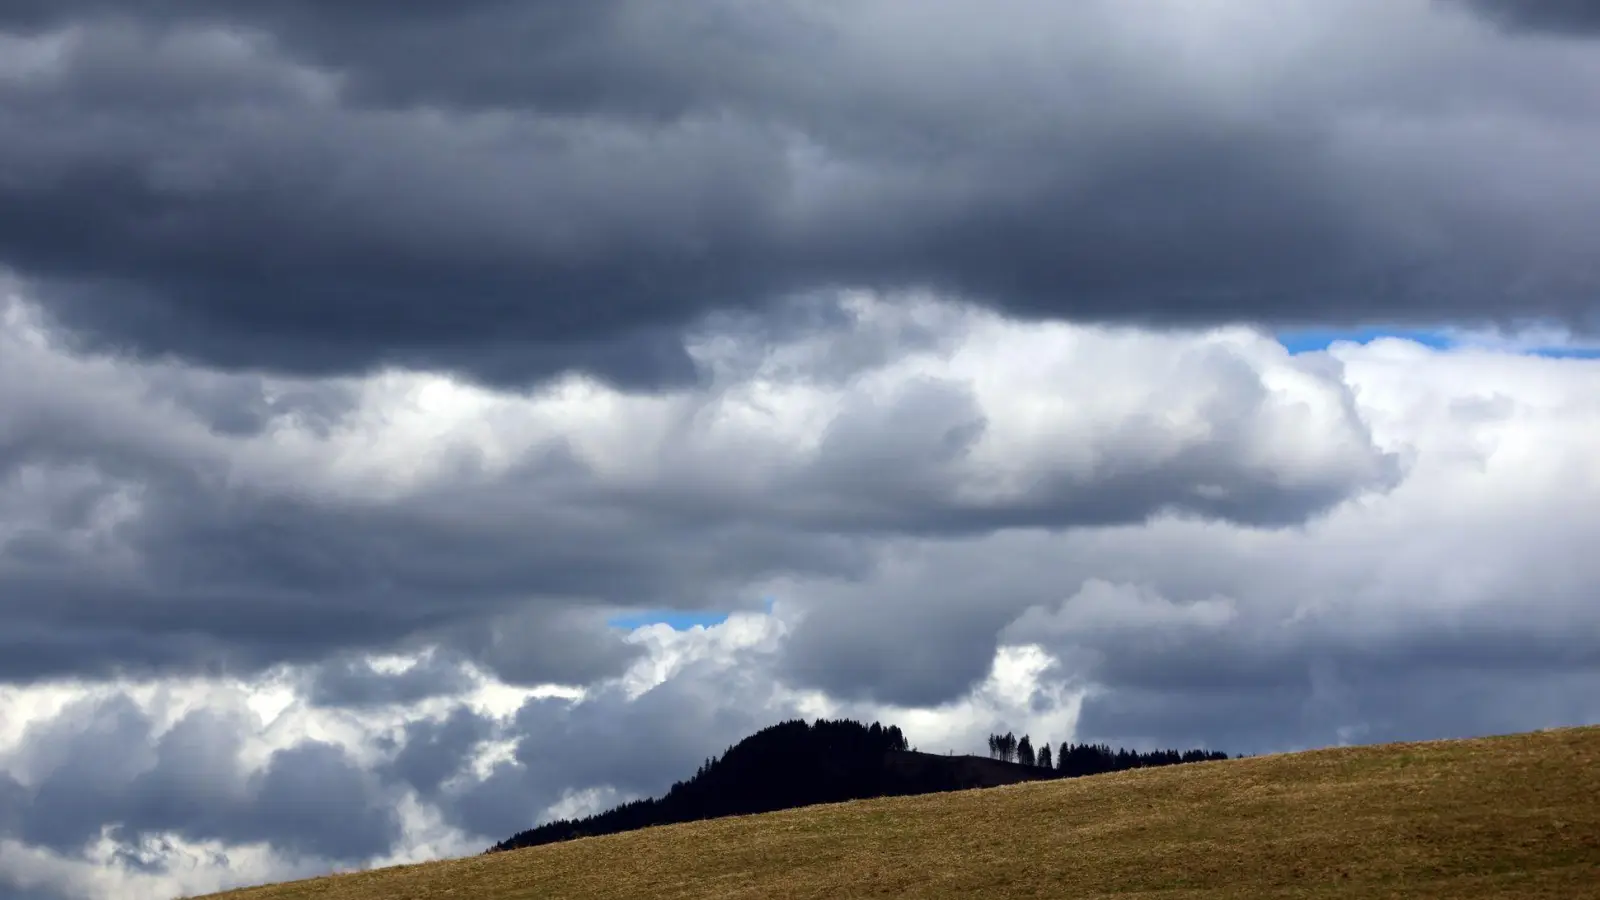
(678, 620)
(1312, 340)
(1568, 352)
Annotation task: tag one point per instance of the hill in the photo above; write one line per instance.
(1505, 817)
(796, 763)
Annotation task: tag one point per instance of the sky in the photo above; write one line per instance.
(421, 421)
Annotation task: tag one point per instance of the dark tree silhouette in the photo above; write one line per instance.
(1072, 760)
(1092, 759)
(794, 764)
(788, 765)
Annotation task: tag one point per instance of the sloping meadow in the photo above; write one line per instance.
(1497, 817)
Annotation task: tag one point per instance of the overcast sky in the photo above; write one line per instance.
(374, 374)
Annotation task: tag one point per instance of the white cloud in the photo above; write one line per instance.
(1018, 695)
(1439, 584)
(375, 586)
(241, 497)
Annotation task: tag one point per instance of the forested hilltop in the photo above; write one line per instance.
(1503, 817)
(795, 764)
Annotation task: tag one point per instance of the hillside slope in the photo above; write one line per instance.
(1505, 817)
(797, 763)
(888, 773)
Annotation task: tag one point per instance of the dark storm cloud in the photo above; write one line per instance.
(611, 55)
(242, 405)
(863, 646)
(516, 647)
(1559, 16)
(313, 800)
(66, 808)
(102, 764)
(564, 187)
(249, 582)
(531, 646)
(356, 683)
(433, 751)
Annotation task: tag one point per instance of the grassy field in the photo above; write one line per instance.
(1506, 817)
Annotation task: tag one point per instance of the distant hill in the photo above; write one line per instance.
(1508, 818)
(795, 764)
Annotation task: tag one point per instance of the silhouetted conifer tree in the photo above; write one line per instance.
(897, 738)
(1044, 757)
(1025, 751)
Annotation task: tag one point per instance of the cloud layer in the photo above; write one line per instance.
(282, 186)
(1375, 542)
(360, 362)
(180, 519)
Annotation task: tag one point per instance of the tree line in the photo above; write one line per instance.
(1075, 760)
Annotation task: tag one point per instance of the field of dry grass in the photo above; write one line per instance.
(1507, 817)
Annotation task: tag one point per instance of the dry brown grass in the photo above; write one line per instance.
(1507, 817)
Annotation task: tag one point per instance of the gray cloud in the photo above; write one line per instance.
(218, 214)
(623, 746)
(14, 890)
(174, 530)
(66, 808)
(355, 682)
(101, 763)
(1331, 634)
(431, 752)
(516, 647)
(312, 800)
(568, 188)
(918, 635)
(243, 578)
(1324, 705)
(12, 797)
(1561, 16)
(1270, 639)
